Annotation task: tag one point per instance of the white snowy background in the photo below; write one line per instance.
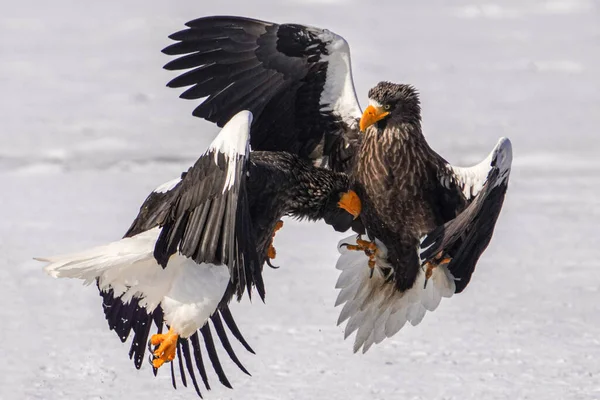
(88, 128)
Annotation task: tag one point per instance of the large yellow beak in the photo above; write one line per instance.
(371, 115)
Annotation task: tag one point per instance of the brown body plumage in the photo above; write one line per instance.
(396, 176)
(419, 212)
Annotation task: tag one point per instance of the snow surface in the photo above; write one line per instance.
(88, 129)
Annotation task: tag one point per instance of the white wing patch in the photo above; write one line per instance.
(189, 293)
(375, 308)
(167, 186)
(234, 142)
(339, 94)
(472, 179)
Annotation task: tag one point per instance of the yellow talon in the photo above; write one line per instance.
(271, 253)
(167, 347)
(370, 249)
(430, 265)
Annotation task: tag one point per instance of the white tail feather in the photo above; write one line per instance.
(374, 307)
(188, 293)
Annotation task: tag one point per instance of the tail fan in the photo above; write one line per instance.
(373, 306)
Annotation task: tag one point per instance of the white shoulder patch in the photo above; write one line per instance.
(167, 186)
(374, 307)
(234, 138)
(233, 141)
(339, 94)
(472, 179)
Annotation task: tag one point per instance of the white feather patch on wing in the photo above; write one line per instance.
(472, 179)
(188, 292)
(375, 308)
(338, 93)
(233, 141)
(167, 186)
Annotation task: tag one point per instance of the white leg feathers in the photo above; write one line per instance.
(374, 307)
(188, 292)
(196, 291)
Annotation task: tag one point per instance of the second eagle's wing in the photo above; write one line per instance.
(208, 219)
(296, 80)
(465, 237)
(189, 251)
(470, 200)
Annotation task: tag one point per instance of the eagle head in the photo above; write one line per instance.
(391, 101)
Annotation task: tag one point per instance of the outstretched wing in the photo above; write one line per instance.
(130, 318)
(201, 215)
(208, 217)
(465, 237)
(296, 80)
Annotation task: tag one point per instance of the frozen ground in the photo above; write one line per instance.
(88, 129)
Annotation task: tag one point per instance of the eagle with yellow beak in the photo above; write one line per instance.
(286, 91)
(423, 224)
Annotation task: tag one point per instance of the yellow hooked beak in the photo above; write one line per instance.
(371, 115)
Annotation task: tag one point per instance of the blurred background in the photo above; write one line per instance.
(88, 129)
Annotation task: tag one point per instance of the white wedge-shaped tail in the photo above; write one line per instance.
(187, 289)
(188, 293)
(373, 307)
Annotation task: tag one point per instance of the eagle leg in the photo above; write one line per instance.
(370, 249)
(351, 203)
(167, 347)
(430, 265)
(271, 253)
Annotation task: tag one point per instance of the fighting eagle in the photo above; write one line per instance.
(200, 240)
(421, 224)
(425, 222)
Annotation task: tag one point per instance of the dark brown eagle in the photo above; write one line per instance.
(424, 219)
(201, 240)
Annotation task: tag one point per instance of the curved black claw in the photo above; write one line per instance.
(271, 265)
(152, 357)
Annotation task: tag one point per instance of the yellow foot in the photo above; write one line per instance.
(167, 346)
(370, 249)
(430, 265)
(271, 253)
(351, 203)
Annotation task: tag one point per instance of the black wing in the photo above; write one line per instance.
(156, 207)
(209, 218)
(296, 80)
(129, 319)
(198, 213)
(465, 237)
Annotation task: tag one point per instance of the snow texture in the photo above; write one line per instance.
(88, 129)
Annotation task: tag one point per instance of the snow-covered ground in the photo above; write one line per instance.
(87, 129)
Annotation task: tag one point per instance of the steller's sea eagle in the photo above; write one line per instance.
(426, 222)
(200, 240)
